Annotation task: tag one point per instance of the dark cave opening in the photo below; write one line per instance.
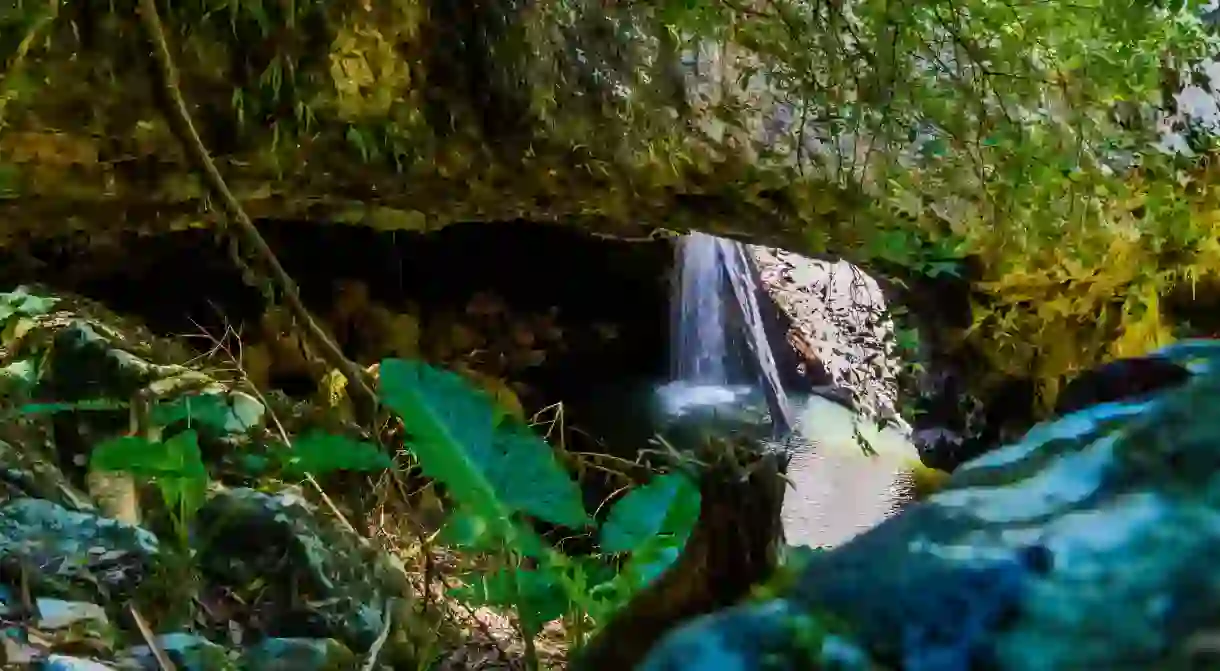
(608, 297)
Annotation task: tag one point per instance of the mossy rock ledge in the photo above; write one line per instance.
(407, 116)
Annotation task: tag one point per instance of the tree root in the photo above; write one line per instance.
(180, 121)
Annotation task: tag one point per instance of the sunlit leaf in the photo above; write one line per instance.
(492, 470)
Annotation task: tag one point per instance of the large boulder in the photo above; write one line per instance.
(1088, 545)
(835, 317)
(852, 453)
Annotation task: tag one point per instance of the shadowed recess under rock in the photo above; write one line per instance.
(574, 315)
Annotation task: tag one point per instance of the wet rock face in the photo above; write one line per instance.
(837, 322)
(1089, 544)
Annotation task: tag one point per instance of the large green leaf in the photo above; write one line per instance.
(475, 534)
(186, 490)
(650, 560)
(319, 453)
(177, 456)
(652, 523)
(451, 431)
(529, 478)
(175, 465)
(491, 471)
(668, 504)
(132, 454)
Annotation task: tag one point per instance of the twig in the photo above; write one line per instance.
(330, 504)
(375, 649)
(163, 660)
(484, 629)
(180, 118)
(27, 597)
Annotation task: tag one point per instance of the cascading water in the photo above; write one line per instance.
(719, 345)
(700, 351)
(721, 357)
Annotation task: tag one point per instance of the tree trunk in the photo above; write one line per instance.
(732, 548)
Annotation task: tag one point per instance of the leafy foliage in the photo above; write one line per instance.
(498, 471)
(1019, 136)
(590, 588)
(457, 441)
(21, 303)
(217, 413)
(316, 452)
(500, 474)
(668, 505)
(174, 465)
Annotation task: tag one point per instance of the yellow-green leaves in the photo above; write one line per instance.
(174, 465)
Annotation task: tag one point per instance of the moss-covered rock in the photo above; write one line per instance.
(64, 549)
(299, 654)
(86, 382)
(407, 117)
(341, 587)
(1089, 544)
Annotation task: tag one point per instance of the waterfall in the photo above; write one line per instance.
(699, 350)
(717, 335)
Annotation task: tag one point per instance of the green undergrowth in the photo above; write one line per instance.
(499, 475)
